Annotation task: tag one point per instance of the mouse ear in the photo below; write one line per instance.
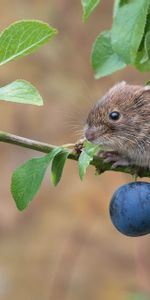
(143, 90)
(120, 84)
(117, 86)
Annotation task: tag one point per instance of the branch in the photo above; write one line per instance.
(74, 155)
(13, 139)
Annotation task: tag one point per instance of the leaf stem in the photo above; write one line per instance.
(101, 167)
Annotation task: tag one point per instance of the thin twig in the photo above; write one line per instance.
(46, 148)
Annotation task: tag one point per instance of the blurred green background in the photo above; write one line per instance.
(64, 247)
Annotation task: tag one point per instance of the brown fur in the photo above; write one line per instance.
(130, 135)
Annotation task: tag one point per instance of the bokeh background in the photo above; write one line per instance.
(64, 247)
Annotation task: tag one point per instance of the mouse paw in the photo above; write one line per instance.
(121, 162)
(115, 158)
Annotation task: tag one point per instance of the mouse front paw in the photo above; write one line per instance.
(115, 158)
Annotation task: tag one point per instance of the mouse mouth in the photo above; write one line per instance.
(91, 134)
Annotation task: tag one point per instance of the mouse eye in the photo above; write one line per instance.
(114, 116)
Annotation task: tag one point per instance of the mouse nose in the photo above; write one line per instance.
(90, 134)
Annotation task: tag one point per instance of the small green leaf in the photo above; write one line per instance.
(26, 179)
(117, 5)
(148, 82)
(86, 157)
(58, 164)
(21, 91)
(141, 63)
(137, 296)
(90, 148)
(88, 7)
(128, 28)
(84, 161)
(22, 38)
(147, 46)
(104, 60)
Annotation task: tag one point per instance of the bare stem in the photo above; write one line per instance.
(13, 139)
(24, 142)
(46, 148)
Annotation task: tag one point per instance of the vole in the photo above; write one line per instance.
(120, 123)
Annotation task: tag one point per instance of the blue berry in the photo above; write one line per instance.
(130, 209)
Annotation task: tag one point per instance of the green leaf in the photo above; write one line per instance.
(21, 91)
(128, 28)
(22, 38)
(147, 46)
(58, 164)
(104, 60)
(137, 296)
(26, 179)
(141, 63)
(148, 82)
(86, 157)
(117, 5)
(88, 7)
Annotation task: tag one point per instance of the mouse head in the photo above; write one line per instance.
(117, 118)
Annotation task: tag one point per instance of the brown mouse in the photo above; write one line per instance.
(120, 123)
